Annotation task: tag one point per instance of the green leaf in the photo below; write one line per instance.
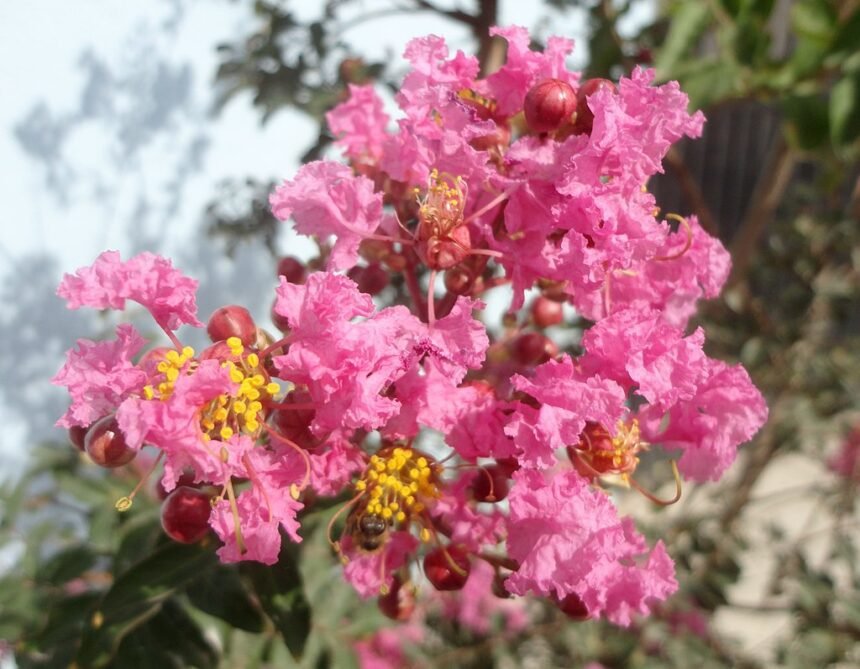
(280, 591)
(845, 110)
(69, 563)
(814, 18)
(847, 39)
(220, 592)
(709, 81)
(807, 118)
(686, 27)
(137, 596)
(169, 639)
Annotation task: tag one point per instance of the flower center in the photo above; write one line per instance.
(242, 411)
(396, 481)
(603, 454)
(441, 209)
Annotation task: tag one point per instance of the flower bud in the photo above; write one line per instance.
(490, 485)
(371, 279)
(500, 137)
(546, 312)
(549, 104)
(458, 280)
(279, 321)
(291, 269)
(573, 607)
(185, 515)
(532, 348)
(186, 479)
(445, 252)
(585, 117)
(447, 568)
(77, 434)
(106, 445)
(232, 321)
(399, 602)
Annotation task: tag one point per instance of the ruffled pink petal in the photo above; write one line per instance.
(100, 375)
(147, 279)
(325, 198)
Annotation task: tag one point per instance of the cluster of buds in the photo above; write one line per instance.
(489, 460)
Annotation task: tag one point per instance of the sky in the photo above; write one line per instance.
(108, 140)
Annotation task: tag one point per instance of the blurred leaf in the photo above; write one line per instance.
(137, 595)
(845, 110)
(66, 565)
(281, 594)
(813, 18)
(221, 593)
(709, 81)
(807, 117)
(170, 639)
(686, 27)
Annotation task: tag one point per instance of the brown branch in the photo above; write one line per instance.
(454, 14)
(768, 192)
(692, 192)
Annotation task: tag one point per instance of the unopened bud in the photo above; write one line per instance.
(232, 321)
(549, 104)
(585, 117)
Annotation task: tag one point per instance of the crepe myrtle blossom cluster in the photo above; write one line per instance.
(530, 177)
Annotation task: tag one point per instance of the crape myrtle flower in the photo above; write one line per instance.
(387, 351)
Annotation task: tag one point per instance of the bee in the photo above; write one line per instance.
(369, 531)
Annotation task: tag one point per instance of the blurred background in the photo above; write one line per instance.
(162, 126)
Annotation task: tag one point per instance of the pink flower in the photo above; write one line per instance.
(333, 468)
(523, 68)
(726, 411)
(173, 424)
(567, 399)
(360, 125)
(264, 507)
(674, 284)
(478, 424)
(634, 128)
(636, 348)
(369, 572)
(468, 527)
(326, 198)
(568, 539)
(99, 376)
(385, 648)
(846, 461)
(147, 279)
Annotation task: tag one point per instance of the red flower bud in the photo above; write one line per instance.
(106, 445)
(232, 321)
(292, 269)
(532, 348)
(371, 279)
(399, 602)
(77, 434)
(549, 105)
(185, 515)
(280, 322)
(573, 607)
(491, 484)
(447, 568)
(445, 252)
(546, 312)
(585, 117)
(458, 280)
